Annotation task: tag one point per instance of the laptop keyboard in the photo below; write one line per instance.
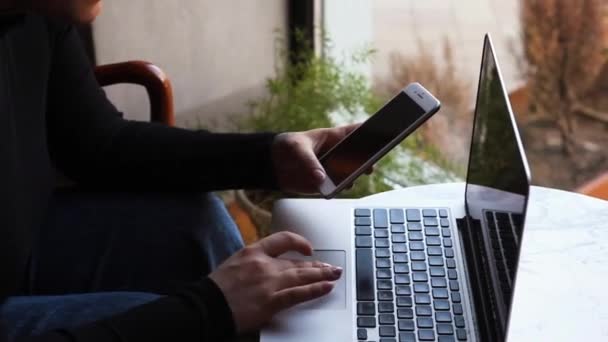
(407, 282)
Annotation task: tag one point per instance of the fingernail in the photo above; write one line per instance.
(337, 271)
(319, 175)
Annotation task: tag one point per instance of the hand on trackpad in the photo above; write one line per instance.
(337, 298)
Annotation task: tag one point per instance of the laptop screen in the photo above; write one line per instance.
(498, 182)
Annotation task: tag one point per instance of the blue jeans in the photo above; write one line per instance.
(101, 254)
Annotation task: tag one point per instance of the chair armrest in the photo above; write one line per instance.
(151, 77)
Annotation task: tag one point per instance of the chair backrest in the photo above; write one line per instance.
(151, 77)
(596, 188)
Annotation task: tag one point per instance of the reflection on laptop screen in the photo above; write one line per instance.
(497, 182)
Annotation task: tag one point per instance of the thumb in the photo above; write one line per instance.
(311, 162)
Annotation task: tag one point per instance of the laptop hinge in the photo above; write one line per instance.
(478, 272)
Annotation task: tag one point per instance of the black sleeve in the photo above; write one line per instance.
(92, 144)
(199, 313)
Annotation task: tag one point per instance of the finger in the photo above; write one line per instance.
(283, 242)
(369, 171)
(294, 277)
(305, 151)
(287, 298)
(292, 263)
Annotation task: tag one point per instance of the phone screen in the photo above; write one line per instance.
(371, 137)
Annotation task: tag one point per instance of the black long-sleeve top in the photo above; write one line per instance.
(53, 114)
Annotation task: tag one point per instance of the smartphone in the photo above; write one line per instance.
(363, 147)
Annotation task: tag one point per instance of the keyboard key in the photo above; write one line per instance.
(364, 269)
(383, 253)
(457, 308)
(446, 338)
(382, 243)
(445, 329)
(380, 218)
(447, 242)
(452, 274)
(443, 213)
(424, 322)
(444, 222)
(461, 334)
(366, 309)
(433, 241)
(402, 279)
(429, 213)
(423, 310)
(416, 246)
(400, 258)
(403, 290)
(385, 295)
(384, 284)
(456, 297)
(397, 229)
(434, 251)
(418, 266)
(426, 335)
(420, 276)
(451, 263)
(363, 221)
(422, 299)
(366, 322)
(363, 241)
(405, 313)
(414, 226)
(386, 307)
(398, 238)
(402, 268)
(360, 230)
(396, 216)
(437, 272)
(387, 339)
(415, 236)
(399, 248)
(449, 253)
(438, 282)
(442, 305)
(384, 273)
(384, 319)
(362, 334)
(380, 233)
(413, 215)
(440, 294)
(454, 286)
(443, 317)
(430, 222)
(406, 325)
(417, 256)
(436, 261)
(363, 212)
(421, 288)
(383, 263)
(407, 337)
(387, 332)
(404, 302)
(431, 231)
(459, 321)
(446, 232)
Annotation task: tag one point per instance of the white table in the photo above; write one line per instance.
(561, 292)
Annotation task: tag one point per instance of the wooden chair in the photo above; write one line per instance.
(596, 188)
(151, 77)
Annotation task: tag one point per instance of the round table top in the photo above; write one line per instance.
(561, 293)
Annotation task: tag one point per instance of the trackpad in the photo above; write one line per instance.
(336, 299)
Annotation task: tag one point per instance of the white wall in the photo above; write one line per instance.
(217, 53)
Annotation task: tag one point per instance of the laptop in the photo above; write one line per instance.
(427, 269)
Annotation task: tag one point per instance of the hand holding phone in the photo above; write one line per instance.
(361, 149)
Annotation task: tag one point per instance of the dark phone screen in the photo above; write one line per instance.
(377, 132)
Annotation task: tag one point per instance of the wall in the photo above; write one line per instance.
(217, 53)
